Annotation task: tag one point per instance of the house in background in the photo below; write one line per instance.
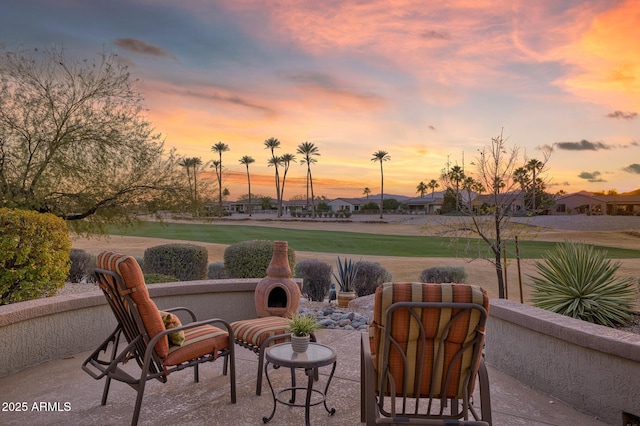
(513, 200)
(348, 204)
(429, 204)
(586, 202)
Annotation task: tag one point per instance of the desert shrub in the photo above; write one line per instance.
(140, 261)
(216, 271)
(579, 281)
(444, 274)
(250, 259)
(187, 262)
(370, 275)
(316, 278)
(159, 278)
(370, 206)
(82, 266)
(34, 255)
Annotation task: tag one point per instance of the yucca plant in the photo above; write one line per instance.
(347, 271)
(579, 281)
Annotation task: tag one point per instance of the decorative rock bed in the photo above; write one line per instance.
(332, 318)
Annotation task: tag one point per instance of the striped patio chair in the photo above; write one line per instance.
(423, 353)
(157, 340)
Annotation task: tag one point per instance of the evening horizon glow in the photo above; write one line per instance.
(430, 83)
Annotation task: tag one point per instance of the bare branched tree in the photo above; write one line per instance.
(496, 181)
(74, 141)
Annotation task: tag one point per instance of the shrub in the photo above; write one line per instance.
(34, 255)
(444, 274)
(370, 275)
(187, 262)
(216, 271)
(159, 278)
(316, 278)
(250, 259)
(82, 266)
(140, 261)
(370, 206)
(579, 281)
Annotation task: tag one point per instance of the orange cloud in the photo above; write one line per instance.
(606, 60)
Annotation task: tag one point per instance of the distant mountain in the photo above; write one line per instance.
(634, 193)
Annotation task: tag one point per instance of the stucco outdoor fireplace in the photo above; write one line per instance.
(277, 294)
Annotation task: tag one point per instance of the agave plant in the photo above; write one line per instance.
(347, 270)
(579, 281)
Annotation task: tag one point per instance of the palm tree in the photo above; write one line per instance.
(432, 185)
(534, 166)
(220, 147)
(309, 150)
(215, 164)
(272, 144)
(246, 160)
(186, 163)
(456, 176)
(381, 156)
(189, 164)
(421, 188)
(366, 192)
(521, 176)
(286, 160)
(276, 162)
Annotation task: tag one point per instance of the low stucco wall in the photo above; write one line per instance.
(593, 368)
(40, 330)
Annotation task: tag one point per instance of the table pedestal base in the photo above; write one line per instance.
(309, 372)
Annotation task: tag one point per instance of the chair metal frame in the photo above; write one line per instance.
(380, 406)
(141, 347)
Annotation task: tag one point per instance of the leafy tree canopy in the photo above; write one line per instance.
(74, 141)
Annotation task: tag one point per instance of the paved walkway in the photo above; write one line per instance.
(69, 396)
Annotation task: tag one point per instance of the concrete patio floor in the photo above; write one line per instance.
(180, 401)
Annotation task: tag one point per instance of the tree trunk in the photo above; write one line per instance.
(498, 264)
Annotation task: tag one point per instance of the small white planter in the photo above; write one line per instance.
(300, 343)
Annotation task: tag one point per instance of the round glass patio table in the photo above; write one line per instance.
(317, 355)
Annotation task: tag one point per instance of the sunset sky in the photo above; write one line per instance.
(428, 81)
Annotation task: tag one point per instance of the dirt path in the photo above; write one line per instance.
(613, 231)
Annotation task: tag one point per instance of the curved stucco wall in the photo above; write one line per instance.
(40, 330)
(593, 368)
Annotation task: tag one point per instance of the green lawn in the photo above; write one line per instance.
(341, 242)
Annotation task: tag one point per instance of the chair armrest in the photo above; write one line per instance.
(211, 321)
(152, 344)
(367, 381)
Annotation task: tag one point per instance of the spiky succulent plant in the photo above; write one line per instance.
(579, 281)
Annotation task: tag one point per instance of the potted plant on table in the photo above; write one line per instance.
(301, 327)
(347, 271)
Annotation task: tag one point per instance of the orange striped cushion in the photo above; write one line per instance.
(405, 331)
(198, 341)
(255, 331)
(129, 270)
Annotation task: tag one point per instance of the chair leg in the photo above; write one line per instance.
(368, 390)
(105, 392)
(260, 367)
(140, 388)
(114, 352)
(485, 394)
(225, 366)
(363, 416)
(231, 357)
